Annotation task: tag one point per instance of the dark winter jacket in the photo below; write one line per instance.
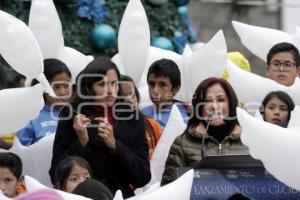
(125, 168)
(186, 151)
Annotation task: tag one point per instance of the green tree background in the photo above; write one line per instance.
(164, 20)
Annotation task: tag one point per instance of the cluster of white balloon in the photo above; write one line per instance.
(276, 147)
(44, 40)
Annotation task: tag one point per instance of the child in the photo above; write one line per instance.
(93, 189)
(131, 95)
(70, 172)
(11, 179)
(164, 82)
(283, 63)
(277, 107)
(59, 77)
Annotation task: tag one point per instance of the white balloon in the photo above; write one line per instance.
(251, 89)
(33, 185)
(259, 40)
(36, 158)
(180, 189)
(258, 116)
(197, 46)
(18, 106)
(45, 24)
(117, 60)
(75, 61)
(19, 47)
(275, 146)
(174, 128)
(118, 195)
(208, 61)
(134, 39)
(150, 188)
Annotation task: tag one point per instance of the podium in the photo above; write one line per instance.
(220, 177)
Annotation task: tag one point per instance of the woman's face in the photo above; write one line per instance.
(78, 174)
(128, 93)
(276, 111)
(106, 90)
(61, 86)
(216, 105)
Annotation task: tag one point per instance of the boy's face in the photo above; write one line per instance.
(161, 90)
(283, 69)
(8, 182)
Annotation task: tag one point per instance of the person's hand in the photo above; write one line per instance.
(80, 124)
(105, 131)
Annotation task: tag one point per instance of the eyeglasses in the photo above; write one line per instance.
(288, 66)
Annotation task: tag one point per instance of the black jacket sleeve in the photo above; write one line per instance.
(66, 143)
(133, 160)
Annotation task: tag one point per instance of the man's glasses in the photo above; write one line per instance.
(276, 65)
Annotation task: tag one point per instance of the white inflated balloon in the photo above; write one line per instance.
(75, 60)
(117, 60)
(18, 106)
(34, 185)
(258, 116)
(134, 39)
(248, 86)
(118, 195)
(275, 146)
(259, 40)
(208, 61)
(174, 128)
(180, 189)
(22, 53)
(45, 24)
(36, 158)
(19, 47)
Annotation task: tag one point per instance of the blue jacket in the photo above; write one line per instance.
(163, 117)
(44, 124)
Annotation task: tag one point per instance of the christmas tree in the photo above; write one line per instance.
(91, 26)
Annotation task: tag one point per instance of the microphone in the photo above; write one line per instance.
(209, 118)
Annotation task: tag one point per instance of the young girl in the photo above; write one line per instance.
(59, 78)
(70, 172)
(131, 95)
(277, 107)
